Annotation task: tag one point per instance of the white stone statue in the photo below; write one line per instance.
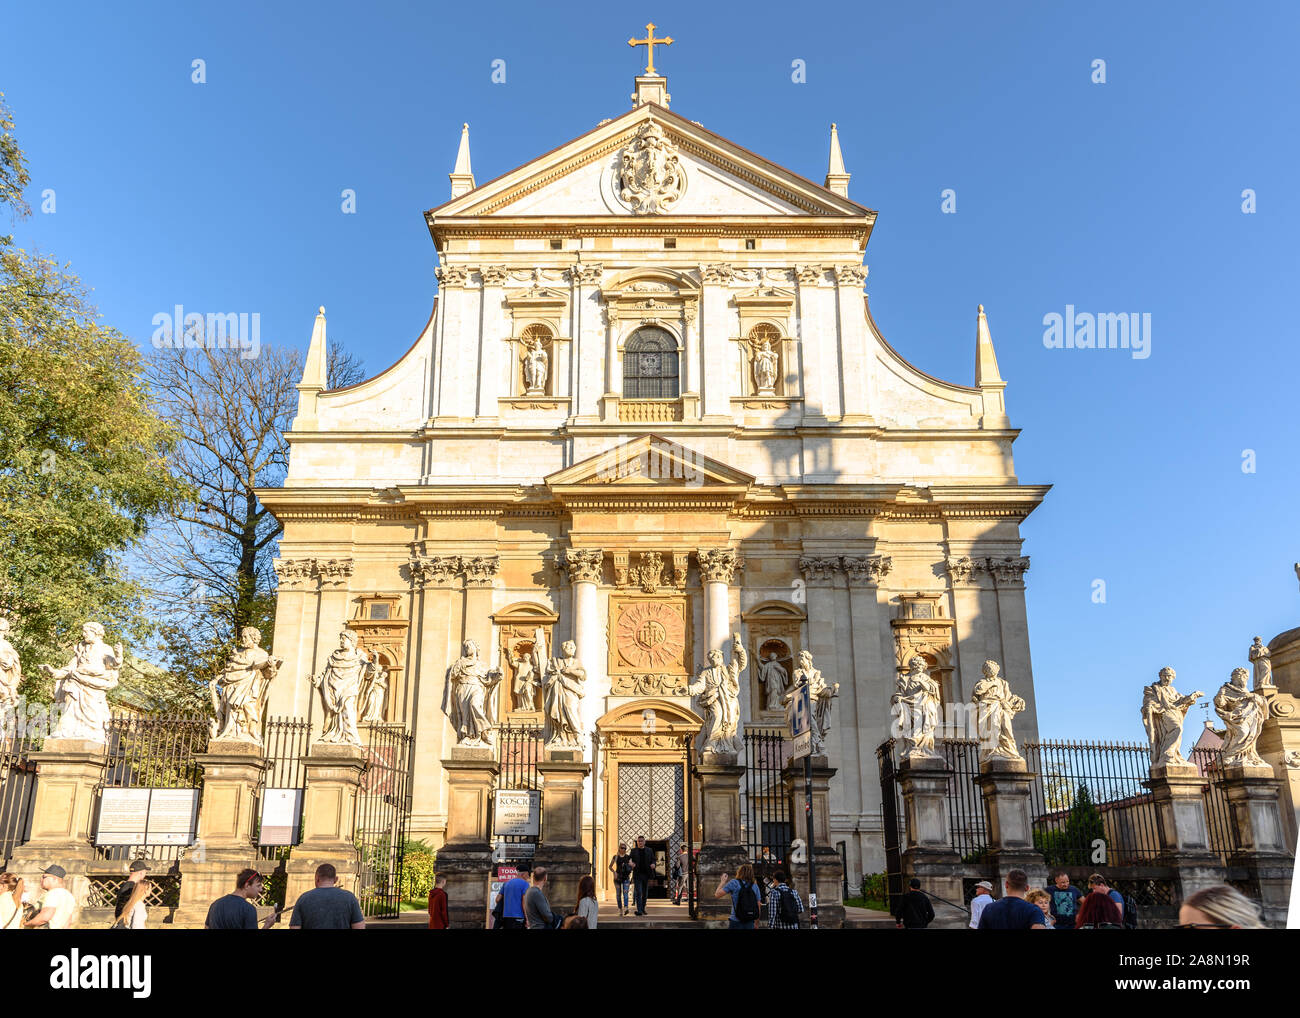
(717, 693)
(1262, 660)
(996, 708)
(536, 368)
(340, 686)
(1244, 713)
(239, 691)
(565, 681)
(774, 678)
(1163, 714)
(81, 687)
(469, 699)
(765, 369)
(526, 681)
(11, 673)
(821, 694)
(374, 692)
(915, 706)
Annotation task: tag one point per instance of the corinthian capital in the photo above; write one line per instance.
(334, 572)
(1010, 569)
(867, 568)
(720, 273)
(850, 275)
(495, 275)
(587, 275)
(966, 569)
(583, 564)
(480, 570)
(818, 567)
(293, 573)
(451, 275)
(718, 565)
(434, 570)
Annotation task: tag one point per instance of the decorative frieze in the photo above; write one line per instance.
(648, 684)
(681, 562)
(583, 564)
(718, 565)
(649, 571)
(867, 568)
(647, 740)
(723, 272)
(818, 567)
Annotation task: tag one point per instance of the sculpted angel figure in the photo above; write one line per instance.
(774, 678)
(340, 686)
(11, 672)
(820, 693)
(469, 699)
(239, 691)
(996, 708)
(1163, 714)
(81, 686)
(374, 691)
(1261, 659)
(1244, 713)
(565, 682)
(915, 706)
(717, 693)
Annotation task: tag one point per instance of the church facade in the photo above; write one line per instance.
(651, 414)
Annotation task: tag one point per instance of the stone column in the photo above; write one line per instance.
(1008, 574)
(433, 647)
(335, 576)
(690, 363)
(830, 869)
(560, 850)
(329, 818)
(965, 576)
(466, 856)
(295, 625)
(1004, 787)
(929, 854)
(722, 849)
(62, 831)
(1184, 832)
(1253, 798)
(717, 569)
(232, 771)
(481, 572)
(1278, 743)
(613, 384)
(584, 569)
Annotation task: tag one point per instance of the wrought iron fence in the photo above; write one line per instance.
(17, 790)
(286, 741)
(383, 813)
(967, 816)
(1219, 821)
(769, 824)
(519, 750)
(893, 823)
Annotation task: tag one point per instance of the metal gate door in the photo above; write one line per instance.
(889, 819)
(383, 812)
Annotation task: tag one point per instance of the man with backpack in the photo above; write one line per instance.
(914, 909)
(783, 904)
(1125, 903)
(745, 896)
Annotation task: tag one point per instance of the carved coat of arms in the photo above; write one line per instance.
(650, 178)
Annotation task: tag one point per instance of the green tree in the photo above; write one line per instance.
(1083, 826)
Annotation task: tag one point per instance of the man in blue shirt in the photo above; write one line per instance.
(1065, 900)
(1013, 912)
(1097, 882)
(512, 895)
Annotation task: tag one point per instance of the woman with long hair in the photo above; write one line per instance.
(1219, 908)
(741, 917)
(134, 914)
(1098, 912)
(588, 908)
(11, 902)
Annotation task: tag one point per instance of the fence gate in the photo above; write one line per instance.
(519, 749)
(286, 743)
(17, 790)
(383, 813)
(769, 826)
(891, 819)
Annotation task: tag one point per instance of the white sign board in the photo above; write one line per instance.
(281, 816)
(801, 723)
(517, 814)
(123, 816)
(148, 816)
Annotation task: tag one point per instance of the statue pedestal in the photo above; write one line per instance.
(232, 771)
(62, 831)
(929, 855)
(830, 868)
(329, 819)
(1184, 833)
(1004, 787)
(722, 849)
(1253, 797)
(466, 855)
(1280, 739)
(560, 850)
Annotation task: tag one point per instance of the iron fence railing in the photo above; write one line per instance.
(967, 817)
(285, 741)
(769, 825)
(17, 790)
(1220, 824)
(519, 751)
(383, 813)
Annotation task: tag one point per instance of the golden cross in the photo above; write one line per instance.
(650, 42)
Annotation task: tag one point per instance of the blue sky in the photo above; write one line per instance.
(1117, 197)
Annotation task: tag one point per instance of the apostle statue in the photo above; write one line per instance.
(340, 686)
(374, 691)
(564, 682)
(996, 708)
(1244, 713)
(1163, 714)
(239, 691)
(915, 706)
(1260, 658)
(765, 368)
(11, 673)
(81, 686)
(717, 692)
(536, 368)
(820, 695)
(469, 699)
(774, 678)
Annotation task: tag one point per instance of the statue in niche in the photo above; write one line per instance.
(374, 691)
(996, 708)
(536, 367)
(765, 366)
(82, 685)
(239, 691)
(717, 692)
(529, 670)
(1261, 659)
(1243, 712)
(469, 698)
(566, 680)
(1163, 714)
(774, 678)
(915, 706)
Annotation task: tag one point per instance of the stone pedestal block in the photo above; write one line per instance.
(1004, 787)
(929, 854)
(830, 868)
(63, 815)
(1254, 798)
(1184, 832)
(232, 771)
(466, 855)
(329, 818)
(560, 849)
(1278, 743)
(722, 849)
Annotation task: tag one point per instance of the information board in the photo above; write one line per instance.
(148, 816)
(123, 816)
(517, 814)
(281, 816)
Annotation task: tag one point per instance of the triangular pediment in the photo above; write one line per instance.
(651, 462)
(708, 175)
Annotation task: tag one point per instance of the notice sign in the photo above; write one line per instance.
(801, 722)
(123, 816)
(517, 814)
(281, 816)
(148, 816)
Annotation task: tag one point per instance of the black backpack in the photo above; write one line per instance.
(789, 908)
(1130, 913)
(746, 904)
